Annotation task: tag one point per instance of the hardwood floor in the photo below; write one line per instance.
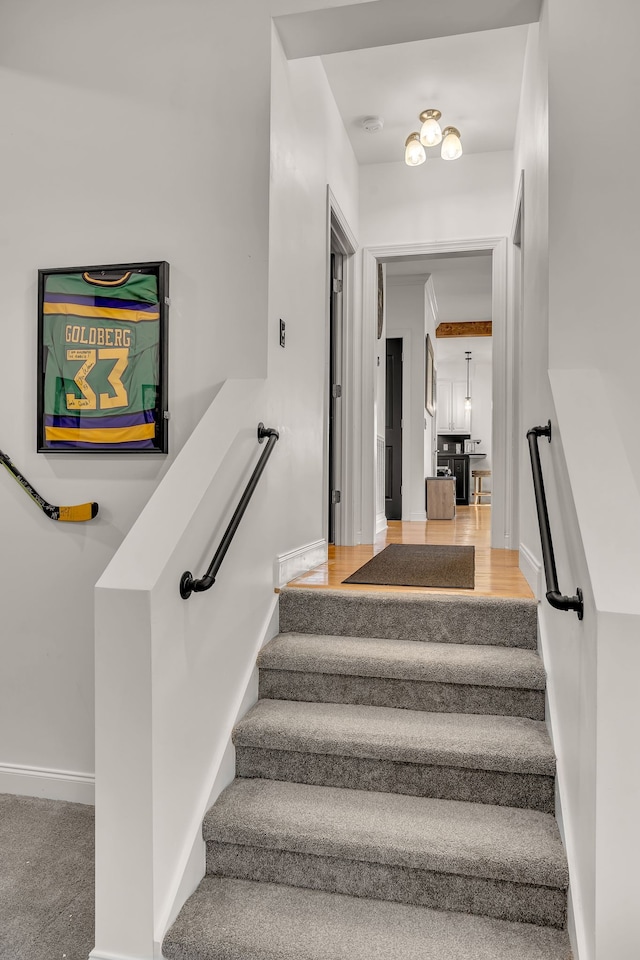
(497, 572)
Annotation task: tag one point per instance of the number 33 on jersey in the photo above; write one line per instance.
(101, 376)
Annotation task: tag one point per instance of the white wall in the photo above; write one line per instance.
(160, 179)
(580, 228)
(437, 201)
(107, 159)
(431, 320)
(594, 245)
(594, 210)
(568, 648)
(406, 319)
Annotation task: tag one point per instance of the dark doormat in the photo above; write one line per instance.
(419, 565)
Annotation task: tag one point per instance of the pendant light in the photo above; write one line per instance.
(414, 153)
(431, 135)
(467, 399)
(451, 145)
(430, 132)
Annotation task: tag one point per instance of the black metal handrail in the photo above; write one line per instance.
(187, 583)
(555, 598)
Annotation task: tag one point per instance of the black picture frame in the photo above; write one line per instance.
(102, 359)
(430, 379)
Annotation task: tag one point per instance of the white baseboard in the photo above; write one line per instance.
(102, 955)
(532, 570)
(293, 564)
(50, 784)
(418, 517)
(381, 523)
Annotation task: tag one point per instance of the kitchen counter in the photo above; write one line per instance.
(459, 465)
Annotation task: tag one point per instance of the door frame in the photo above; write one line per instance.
(340, 237)
(502, 372)
(515, 425)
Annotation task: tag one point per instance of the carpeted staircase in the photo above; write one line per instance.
(395, 792)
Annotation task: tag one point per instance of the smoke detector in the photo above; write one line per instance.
(372, 124)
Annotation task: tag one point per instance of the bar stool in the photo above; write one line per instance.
(478, 492)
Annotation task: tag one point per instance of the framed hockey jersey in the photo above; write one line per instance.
(102, 359)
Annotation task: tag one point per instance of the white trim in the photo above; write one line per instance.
(381, 520)
(531, 568)
(346, 516)
(344, 232)
(365, 379)
(101, 955)
(288, 566)
(502, 377)
(50, 784)
(418, 517)
(502, 374)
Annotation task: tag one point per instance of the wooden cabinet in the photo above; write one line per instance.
(451, 414)
(441, 498)
(459, 466)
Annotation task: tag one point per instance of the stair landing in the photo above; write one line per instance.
(497, 572)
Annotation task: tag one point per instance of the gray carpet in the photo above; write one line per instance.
(498, 621)
(236, 920)
(443, 677)
(46, 880)
(419, 565)
(393, 799)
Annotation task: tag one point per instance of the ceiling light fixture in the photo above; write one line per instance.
(430, 132)
(414, 153)
(431, 135)
(467, 399)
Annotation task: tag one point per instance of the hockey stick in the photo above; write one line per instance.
(82, 511)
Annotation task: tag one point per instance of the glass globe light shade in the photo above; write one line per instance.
(451, 145)
(467, 403)
(414, 153)
(430, 132)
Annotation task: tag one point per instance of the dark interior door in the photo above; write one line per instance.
(393, 431)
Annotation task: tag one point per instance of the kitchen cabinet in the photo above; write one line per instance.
(451, 415)
(459, 467)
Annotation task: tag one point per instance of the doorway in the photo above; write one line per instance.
(502, 371)
(393, 430)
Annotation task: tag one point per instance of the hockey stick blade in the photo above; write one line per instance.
(74, 514)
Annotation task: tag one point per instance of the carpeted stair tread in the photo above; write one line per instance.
(498, 621)
(509, 744)
(479, 664)
(241, 920)
(468, 839)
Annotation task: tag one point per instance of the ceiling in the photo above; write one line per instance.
(474, 79)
